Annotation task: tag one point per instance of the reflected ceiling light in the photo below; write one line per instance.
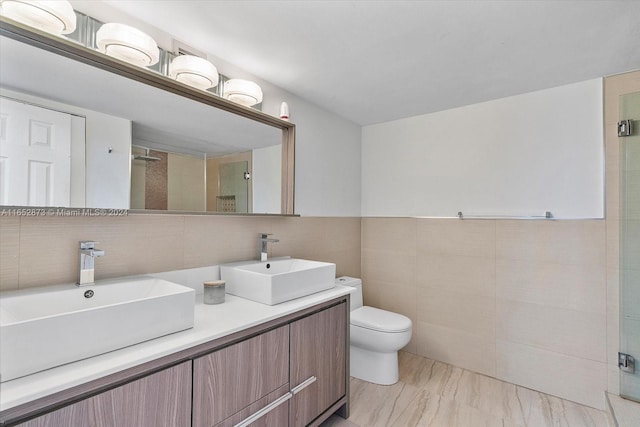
(55, 17)
(127, 44)
(243, 92)
(194, 71)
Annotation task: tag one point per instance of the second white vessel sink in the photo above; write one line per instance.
(41, 329)
(275, 281)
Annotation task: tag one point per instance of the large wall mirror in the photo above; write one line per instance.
(99, 133)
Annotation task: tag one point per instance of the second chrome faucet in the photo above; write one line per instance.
(264, 239)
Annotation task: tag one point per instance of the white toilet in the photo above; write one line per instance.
(376, 337)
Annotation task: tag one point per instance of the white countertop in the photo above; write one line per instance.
(211, 322)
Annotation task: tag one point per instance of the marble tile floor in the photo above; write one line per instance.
(436, 394)
(627, 413)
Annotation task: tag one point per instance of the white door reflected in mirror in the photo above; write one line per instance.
(35, 154)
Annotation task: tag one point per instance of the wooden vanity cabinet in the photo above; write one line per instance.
(318, 350)
(299, 369)
(229, 380)
(162, 399)
(290, 371)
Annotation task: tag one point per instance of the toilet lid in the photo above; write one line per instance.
(380, 320)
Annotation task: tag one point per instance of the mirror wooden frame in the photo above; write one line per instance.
(77, 52)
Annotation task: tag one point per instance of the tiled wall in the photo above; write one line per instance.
(36, 251)
(519, 300)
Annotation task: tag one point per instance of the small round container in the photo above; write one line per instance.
(214, 292)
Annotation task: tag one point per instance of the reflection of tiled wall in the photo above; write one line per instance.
(36, 251)
(156, 182)
(523, 301)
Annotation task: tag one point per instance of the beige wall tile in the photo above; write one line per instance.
(569, 332)
(576, 379)
(469, 313)
(576, 287)
(9, 252)
(211, 240)
(49, 248)
(334, 240)
(457, 347)
(613, 379)
(341, 234)
(613, 244)
(164, 233)
(446, 237)
(389, 234)
(138, 244)
(470, 275)
(297, 235)
(613, 321)
(389, 266)
(578, 242)
(347, 261)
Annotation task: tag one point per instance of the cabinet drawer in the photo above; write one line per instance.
(277, 416)
(161, 399)
(228, 380)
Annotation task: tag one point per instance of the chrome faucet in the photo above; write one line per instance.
(88, 254)
(264, 239)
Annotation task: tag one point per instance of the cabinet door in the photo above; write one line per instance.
(228, 380)
(162, 399)
(318, 344)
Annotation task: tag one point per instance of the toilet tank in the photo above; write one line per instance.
(356, 293)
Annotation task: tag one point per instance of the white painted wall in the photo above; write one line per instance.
(327, 162)
(327, 146)
(522, 156)
(266, 178)
(108, 173)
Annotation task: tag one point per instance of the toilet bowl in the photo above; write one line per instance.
(376, 337)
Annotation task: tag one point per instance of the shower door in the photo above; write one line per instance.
(630, 245)
(234, 182)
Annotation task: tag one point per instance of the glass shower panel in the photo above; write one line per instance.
(234, 186)
(630, 245)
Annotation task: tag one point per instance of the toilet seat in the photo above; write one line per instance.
(380, 320)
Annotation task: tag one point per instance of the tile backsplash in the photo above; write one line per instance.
(38, 251)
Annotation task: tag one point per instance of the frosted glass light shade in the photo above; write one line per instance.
(127, 44)
(194, 71)
(55, 17)
(243, 92)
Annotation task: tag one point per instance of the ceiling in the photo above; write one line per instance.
(375, 61)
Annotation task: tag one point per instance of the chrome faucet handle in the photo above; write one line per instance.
(265, 235)
(88, 244)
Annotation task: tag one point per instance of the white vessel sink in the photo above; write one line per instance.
(50, 327)
(275, 281)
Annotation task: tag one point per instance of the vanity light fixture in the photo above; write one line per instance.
(194, 71)
(127, 44)
(243, 92)
(55, 17)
